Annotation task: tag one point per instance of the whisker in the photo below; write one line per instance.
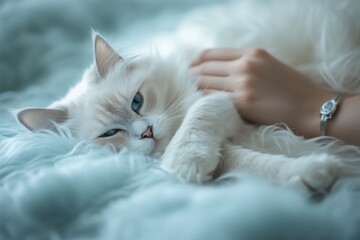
(169, 108)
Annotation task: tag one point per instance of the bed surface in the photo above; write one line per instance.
(52, 187)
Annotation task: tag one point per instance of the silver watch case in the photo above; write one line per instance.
(326, 112)
(328, 108)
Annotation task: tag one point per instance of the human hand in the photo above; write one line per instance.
(264, 90)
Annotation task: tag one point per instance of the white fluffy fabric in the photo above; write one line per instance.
(52, 187)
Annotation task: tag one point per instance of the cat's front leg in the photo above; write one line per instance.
(194, 151)
(315, 172)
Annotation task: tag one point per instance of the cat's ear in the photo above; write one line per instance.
(105, 56)
(41, 118)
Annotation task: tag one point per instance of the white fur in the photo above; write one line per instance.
(320, 39)
(194, 151)
(204, 135)
(53, 188)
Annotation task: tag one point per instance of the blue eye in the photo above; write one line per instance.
(137, 102)
(109, 133)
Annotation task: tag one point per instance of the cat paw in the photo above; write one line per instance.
(317, 173)
(194, 168)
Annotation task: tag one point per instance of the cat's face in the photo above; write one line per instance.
(123, 102)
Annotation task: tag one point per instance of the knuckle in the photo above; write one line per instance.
(247, 83)
(248, 99)
(248, 66)
(245, 100)
(246, 92)
(258, 52)
(245, 65)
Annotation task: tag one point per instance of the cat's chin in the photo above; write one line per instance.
(159, 148)
(156, 148)
(151, 147)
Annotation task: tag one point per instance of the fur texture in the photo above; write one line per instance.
(51, 186)
(188, 130)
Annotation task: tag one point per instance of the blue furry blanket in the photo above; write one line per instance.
(52, 187)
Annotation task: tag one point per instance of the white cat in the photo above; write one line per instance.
(151, 105)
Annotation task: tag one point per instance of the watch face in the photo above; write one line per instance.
(328, 107)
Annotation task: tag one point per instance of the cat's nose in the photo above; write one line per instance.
(148, 133)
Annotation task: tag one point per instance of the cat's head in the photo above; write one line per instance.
(133, 102)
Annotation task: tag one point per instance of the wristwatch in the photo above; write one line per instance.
(327, 111)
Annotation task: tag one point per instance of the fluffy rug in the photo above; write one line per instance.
(53, 187)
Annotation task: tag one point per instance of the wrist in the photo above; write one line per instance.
(309, 124)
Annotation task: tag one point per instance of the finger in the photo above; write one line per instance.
(214, 83)
(210, 91)
(213, 68)
(218, 54)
